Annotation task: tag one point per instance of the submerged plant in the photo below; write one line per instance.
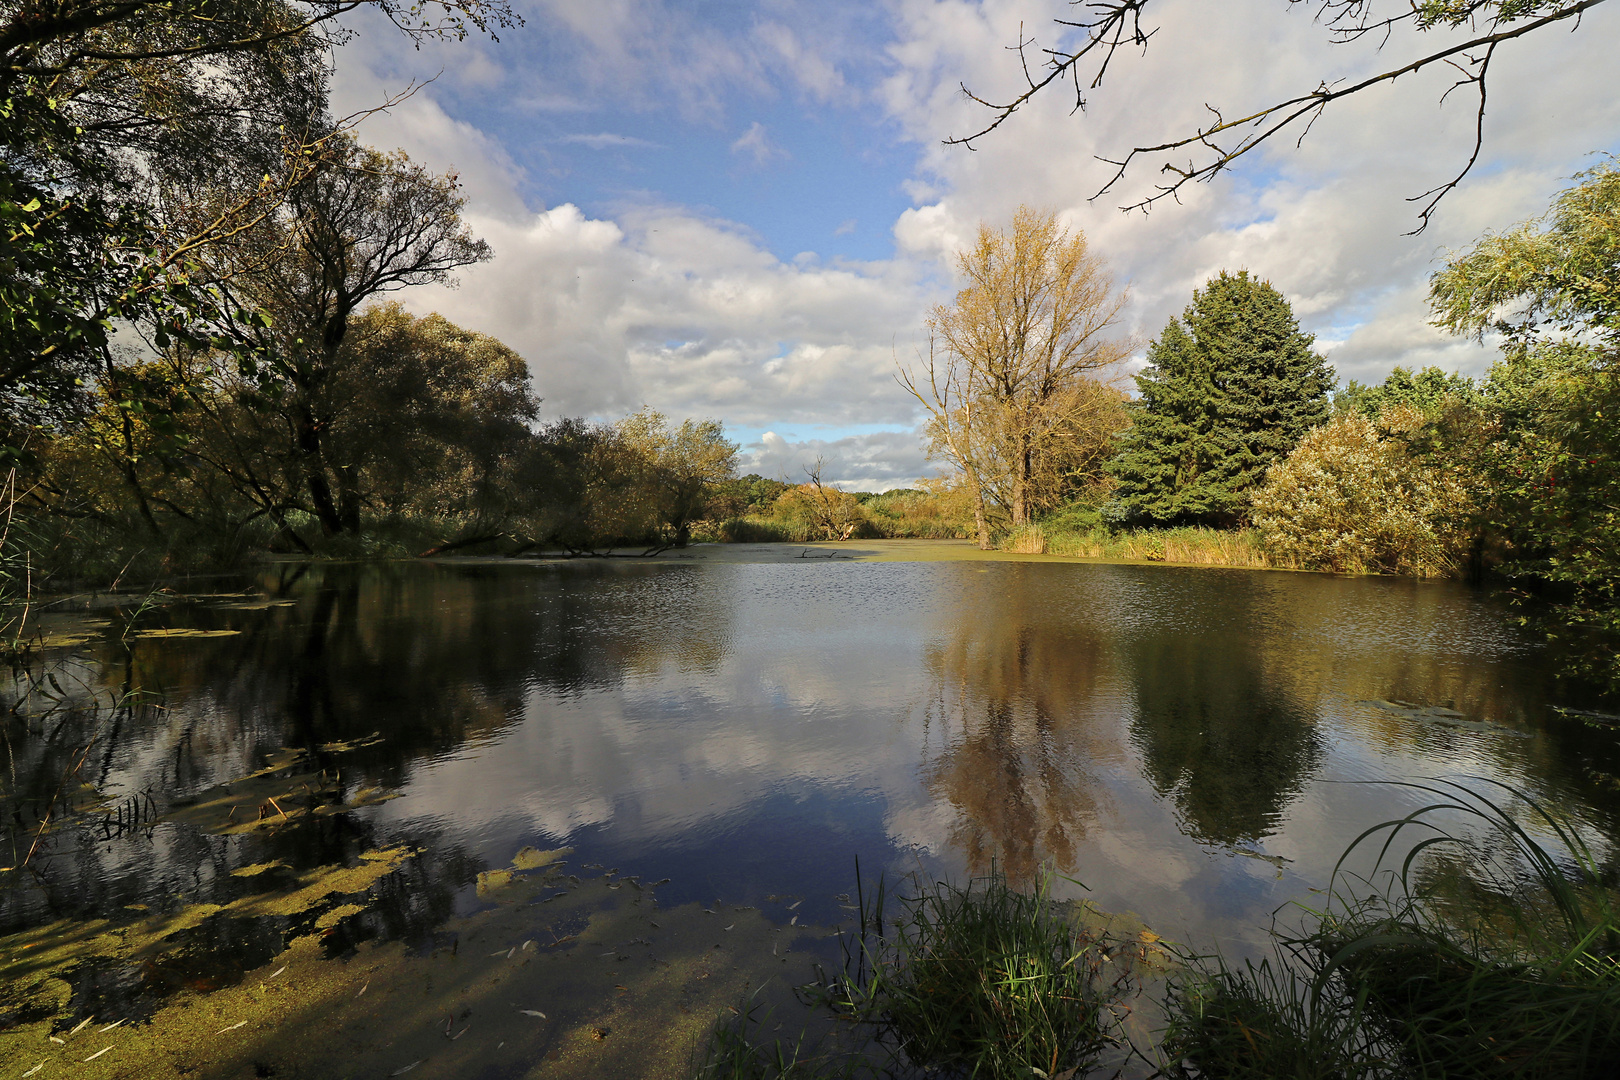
(1493, 956)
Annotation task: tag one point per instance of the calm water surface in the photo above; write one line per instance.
(1194, 745)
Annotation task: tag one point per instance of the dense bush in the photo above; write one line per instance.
(1354, 496)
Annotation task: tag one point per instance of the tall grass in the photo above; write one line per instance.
(1480, 956)
(1188, 546)
(975, 981)
(982, 980)
(1264, 1021)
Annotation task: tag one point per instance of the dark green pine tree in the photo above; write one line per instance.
(1229, 389)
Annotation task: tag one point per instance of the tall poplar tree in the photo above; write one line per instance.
(1230, 388)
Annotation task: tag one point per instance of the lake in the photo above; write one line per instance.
(1195, 746)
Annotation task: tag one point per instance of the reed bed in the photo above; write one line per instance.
(1186, 546)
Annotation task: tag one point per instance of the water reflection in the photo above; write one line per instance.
(751, 729)
(1023, 702)
(1230, 747)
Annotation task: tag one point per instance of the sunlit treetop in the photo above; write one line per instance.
(1560, 271)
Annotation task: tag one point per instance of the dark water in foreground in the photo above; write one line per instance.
(1192, 744)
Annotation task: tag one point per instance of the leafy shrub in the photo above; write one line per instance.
(1353, 497)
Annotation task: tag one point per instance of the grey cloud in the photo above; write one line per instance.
(872, 462)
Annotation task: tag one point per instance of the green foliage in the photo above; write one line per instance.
(1552, 285)
(1558, 272)
(796, 515)
(139, 139)
(1354, 497)
(1456, 13)
(1554, 469)
(1229, 389)
(682, 467)
(1426, 390)
(591, 487)
(751, 494)
(1260, 1021)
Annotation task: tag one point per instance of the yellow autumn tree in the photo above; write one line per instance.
(1012, 382)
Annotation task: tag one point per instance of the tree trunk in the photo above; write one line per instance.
(1023, 470)
(348, 499)
(980, 523)
(320, 491)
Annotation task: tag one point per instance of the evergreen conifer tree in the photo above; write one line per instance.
(1230, 388)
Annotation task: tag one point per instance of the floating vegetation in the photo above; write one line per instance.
(289, 788)
(527, 859)
(507, 991)
(183, 632)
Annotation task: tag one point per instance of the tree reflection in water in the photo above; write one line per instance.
(1039, 687)
(1230, 748)
(1021, 710)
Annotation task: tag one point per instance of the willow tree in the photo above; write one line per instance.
(1551, 288)
(364, 225)
(1011, 380)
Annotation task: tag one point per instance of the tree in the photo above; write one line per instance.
(832, 514)
(1111, 25)
(682, 466)
(431, 419)
(1229, 389)
(1556, 274)
(1552, 287)
(114, 116)
(364, 225)
(1427, 390)
(1013, 402)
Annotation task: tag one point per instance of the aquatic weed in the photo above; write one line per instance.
(736, 1050)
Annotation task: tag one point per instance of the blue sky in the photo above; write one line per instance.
(800, 171)
(744, 210)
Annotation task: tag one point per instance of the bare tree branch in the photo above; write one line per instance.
(1118, 23)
